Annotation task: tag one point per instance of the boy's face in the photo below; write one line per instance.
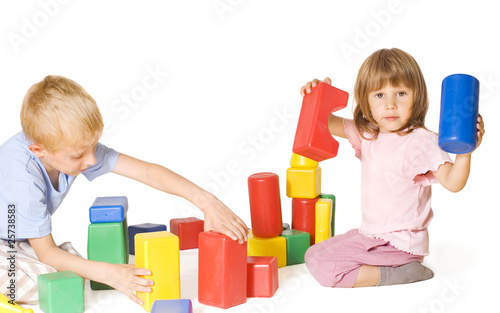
(71, 160)
(391, 107)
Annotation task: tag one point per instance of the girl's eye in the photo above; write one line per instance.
(77, 157)
(379, 95)
(402, 93)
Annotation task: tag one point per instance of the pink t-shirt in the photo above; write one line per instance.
(396, 183)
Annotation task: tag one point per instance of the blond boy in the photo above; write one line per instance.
(61, 128)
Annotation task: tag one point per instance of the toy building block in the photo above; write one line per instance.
(323, 219)
(331, 197)
(297, 243)
(9, 306)
(265, 205)
(303, 182)
(187, 229)
(298, 160)
(108, 210)
(275, 246)
(222, 271)
(159, 253)
(262, 276)
(304, 216)
(107, 242)
(172, 306)
(61, 292)
(312, 138)
(142, 228)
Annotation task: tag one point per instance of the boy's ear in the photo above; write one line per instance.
(37, 149)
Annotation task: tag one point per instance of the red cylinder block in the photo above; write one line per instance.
(304, 216)
(265, 205)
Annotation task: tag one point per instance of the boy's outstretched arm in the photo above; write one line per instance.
(454, 176)
(123, 277)
(218, 216)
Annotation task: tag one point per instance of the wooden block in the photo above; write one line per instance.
(108, 210)
(312, 138)
(222, 271)
(159, 252)
(107, 242)
(297, 243)
(265, 204)
(304, 216)
(275, 246)
(323, 219)
(262, 276)
(187, 229)
(61, 292)
(142, 228)
(303, 182)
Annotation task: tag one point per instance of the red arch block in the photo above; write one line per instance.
(312, 138)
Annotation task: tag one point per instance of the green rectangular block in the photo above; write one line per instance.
(108, 242)
(61, 292)
(332, 197)
(297, 243)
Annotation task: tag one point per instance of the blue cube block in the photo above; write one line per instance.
(142, 228)
(108, 210)
(172, 306)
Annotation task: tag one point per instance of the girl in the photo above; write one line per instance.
(400, 159)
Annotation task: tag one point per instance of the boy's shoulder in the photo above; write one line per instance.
(15, 158)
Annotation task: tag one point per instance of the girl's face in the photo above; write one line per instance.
(391, 107)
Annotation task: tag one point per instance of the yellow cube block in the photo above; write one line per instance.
(159, 252)
(301, 161)
(323, 229)
(274, 246)
(303, 182)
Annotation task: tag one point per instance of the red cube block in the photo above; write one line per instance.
(222, 270)
(188, 230)
(262, 276)
(304, 216)
(265, 205)
(312, 138)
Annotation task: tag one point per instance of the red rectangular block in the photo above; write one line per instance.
(188, 230)
(222, 270)
(304, 216)
(312, 138)
(262, 276)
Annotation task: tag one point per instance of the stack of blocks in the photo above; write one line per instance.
(108, 233)
(61, 292)
(313, 212)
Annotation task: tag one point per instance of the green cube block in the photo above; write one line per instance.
(332, 197)
(297, 243)
(61, 292)
(107, 242)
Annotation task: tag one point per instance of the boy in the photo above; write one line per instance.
(61, 127)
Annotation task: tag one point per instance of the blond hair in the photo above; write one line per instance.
(394, 67)
(57, 113)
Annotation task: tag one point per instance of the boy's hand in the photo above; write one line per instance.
(126, 279)
(307, 87)
(219, 218)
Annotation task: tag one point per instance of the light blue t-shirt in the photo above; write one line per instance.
(25, 184)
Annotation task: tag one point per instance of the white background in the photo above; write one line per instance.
(213, 94)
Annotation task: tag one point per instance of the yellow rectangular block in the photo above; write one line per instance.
(275, 246)
(323, 229)
(159, 252)
(298, 160)
(303, 182)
